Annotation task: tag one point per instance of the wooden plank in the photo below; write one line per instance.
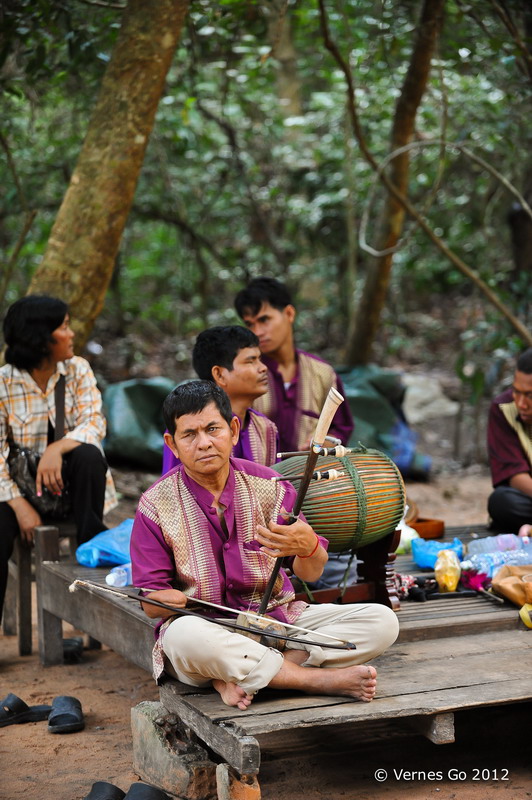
(469, 673)
(118, 622)
(448, 700)
(240, 750)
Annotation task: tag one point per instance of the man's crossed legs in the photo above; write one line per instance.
(199, 652)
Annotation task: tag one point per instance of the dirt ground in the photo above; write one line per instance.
(490, 758)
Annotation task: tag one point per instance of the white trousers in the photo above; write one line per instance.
(198, 651)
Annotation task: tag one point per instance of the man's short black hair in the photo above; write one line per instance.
(524, 362)
(218, 347)
(191, 398)
(28, 327)
(259, 291)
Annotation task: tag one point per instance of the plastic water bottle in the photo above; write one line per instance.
(120, 576)
(493, 544)
(489, 563)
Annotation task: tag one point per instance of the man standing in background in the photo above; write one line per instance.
(298, 382)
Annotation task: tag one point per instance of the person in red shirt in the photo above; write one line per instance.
(298, 382)
(510, 451)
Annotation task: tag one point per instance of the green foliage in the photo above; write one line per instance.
(235, 185)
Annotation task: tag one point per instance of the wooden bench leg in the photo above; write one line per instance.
(50, 627)
(9, 618)
(23, 555)
(17, 604)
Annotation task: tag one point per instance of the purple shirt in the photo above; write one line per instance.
(286, 408)
(153, 560)
(506, 454)
(242, 448)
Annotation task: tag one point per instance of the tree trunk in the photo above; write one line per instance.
(391, 223)
(83, 245)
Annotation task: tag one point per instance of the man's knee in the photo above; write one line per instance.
(185, 637)
(86, 455)
(509, 507)
(387, 627)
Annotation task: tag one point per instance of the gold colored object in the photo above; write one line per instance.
(270, 625)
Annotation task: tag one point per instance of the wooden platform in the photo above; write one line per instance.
(452, 654)
(422, 683)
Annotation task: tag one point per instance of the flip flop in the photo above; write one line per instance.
(13, 710)
(145, 791)
(101, 790)
(66, 715)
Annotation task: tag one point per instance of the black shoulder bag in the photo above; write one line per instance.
(23, 462)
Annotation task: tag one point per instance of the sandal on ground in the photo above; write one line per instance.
(13, 710)
(73, 650)
(66, 715)
(144, 791)
(101, 790)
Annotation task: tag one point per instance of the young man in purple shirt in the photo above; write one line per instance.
(229, 356)
(211, 529)
(298, 382)
(510, 451)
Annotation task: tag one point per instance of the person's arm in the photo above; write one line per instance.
(86, 423)
(153, 565)
(172, 597)
(50, 466)
(27, 517)
(299, 540)
(523, 482)
(506, 455)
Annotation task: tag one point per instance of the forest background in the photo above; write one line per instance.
(374, 155)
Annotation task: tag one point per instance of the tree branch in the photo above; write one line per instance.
(173, 218)
(400, 197)
(102, 4)
(261, 217)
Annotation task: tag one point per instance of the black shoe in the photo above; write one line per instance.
(144, 791)
(101, 790)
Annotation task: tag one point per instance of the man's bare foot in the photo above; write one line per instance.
(232, 695)
(359, 682)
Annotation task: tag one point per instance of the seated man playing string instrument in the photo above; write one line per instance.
(211, 530)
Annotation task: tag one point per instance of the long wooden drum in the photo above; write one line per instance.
(360, 507)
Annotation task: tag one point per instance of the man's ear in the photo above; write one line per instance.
(169, 442)
(290, 312)
(235, 429)
(218, 376)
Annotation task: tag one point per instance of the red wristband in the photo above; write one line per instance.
(315, 548)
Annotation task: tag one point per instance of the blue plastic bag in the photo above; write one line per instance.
(107, 549)
(425, 551)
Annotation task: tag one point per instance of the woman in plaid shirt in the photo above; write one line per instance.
(39, 350)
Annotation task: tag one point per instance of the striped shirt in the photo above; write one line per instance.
(25, 412)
